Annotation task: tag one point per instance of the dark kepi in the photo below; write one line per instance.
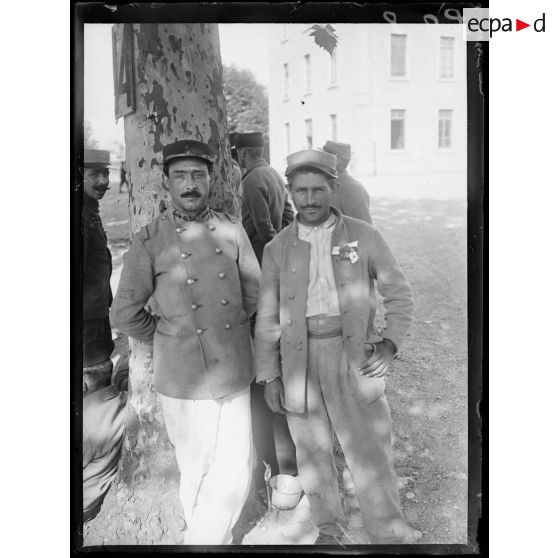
(188, 148)
(249, 139)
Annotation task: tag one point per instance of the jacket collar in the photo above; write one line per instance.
(258, 163)
(201, 217)
(90, 203)
(293, 227)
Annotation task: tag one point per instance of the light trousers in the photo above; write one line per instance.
(364, 432)
(213, 444)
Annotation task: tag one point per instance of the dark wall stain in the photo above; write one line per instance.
(141, 162)
(176, 46)
(214, 142)
(174, 111)
(198, 133)
(165, 67)
(201, 53)
(173, 68)
(157, 105)
(149, 44)
(154, 162)
(215, 85)
(190, 81)
(187, 130)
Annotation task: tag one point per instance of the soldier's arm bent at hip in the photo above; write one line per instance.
(128, 312)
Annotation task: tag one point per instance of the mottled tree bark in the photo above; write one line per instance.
(179, 95)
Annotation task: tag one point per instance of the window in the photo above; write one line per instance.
(333, 118)
(446, 57)
(309, 138)
(398, 129)
(307, 72)
(444, 129)
(333, 67)
(288, 136)
(398, 55)
(286, 83)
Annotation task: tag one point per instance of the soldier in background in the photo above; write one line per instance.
(97, 267)
(103, 403)
(351, 198)
(266, 210)
(123, 179)
(236, 171)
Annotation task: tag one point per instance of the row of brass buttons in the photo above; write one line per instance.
(195, 306)
(200, 330)
(191, 281)
(182, 229)
(185, 255)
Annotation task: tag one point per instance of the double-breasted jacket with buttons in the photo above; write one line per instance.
(281, 336)
(204, 278)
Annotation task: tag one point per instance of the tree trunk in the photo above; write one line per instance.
(179, 95)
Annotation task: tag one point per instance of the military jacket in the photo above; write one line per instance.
(265, 205)
(97, 263)
(204, 279)
(352, 199)
(281, 335)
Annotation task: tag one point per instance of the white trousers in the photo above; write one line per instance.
(213, 444)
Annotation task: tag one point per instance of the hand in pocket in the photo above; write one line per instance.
(377, 363)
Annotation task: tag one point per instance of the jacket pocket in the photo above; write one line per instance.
(369, 388)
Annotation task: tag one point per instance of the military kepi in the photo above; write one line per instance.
(188, 148)
(313, 158)
(342, 150)
(96, 158)
(249, 139)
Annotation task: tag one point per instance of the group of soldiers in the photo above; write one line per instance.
(263, 334)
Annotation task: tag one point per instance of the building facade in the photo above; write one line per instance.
(396, 93)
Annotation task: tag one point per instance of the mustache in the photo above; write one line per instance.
(191, 194)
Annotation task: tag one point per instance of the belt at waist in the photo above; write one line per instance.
(323, 327)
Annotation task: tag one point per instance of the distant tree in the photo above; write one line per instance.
(246, 101)
(88, 139)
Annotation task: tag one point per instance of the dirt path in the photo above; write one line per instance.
(427, 387)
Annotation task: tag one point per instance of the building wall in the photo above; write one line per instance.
(362, 99)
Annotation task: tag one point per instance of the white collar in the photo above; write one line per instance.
(327, 224)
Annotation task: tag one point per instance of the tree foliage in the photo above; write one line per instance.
(246, 101)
